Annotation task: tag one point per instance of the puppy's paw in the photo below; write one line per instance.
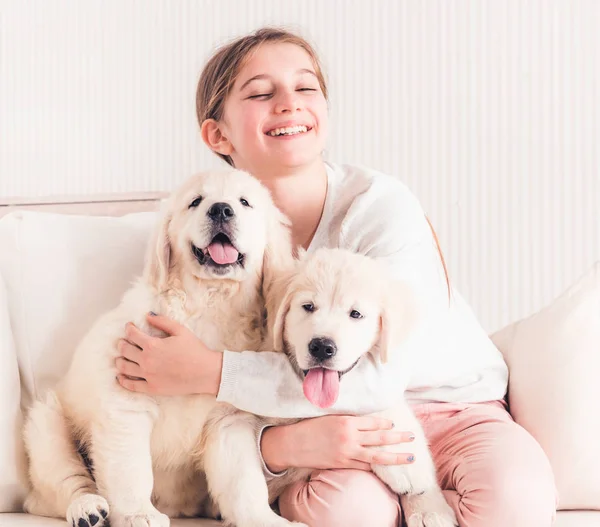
(142, 519)
(431, 519)
(413, 477)
(396, 478)
(89, 510)
(429, 509)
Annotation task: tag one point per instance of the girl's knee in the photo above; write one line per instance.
(516, 488)
(332, 498)
(525, 500)
(530, 502)
(528, 490)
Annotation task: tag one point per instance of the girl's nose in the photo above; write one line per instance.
(287, 102)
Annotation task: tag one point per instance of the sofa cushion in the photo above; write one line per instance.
(577, 519)
(28, 520)
(12, 459)
(554, 389)
(563, 519)
(62, 272)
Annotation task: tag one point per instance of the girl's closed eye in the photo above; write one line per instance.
(260, 96)
(268, 95)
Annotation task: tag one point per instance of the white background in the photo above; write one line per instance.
(488, 110)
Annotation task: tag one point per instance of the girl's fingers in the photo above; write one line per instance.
(129, 351)
(166, 324)
(379, 457)
(140, 386)
(367, 422)
(128, 368)
(385, 437)
(136, 337)
(359, 465)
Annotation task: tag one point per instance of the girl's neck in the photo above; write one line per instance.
(300, 195)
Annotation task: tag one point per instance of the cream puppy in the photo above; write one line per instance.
(340, 308)
(218, 245)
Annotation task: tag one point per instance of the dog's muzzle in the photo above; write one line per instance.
(221, 212)
(221, 254)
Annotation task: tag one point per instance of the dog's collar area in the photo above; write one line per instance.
(339, 372)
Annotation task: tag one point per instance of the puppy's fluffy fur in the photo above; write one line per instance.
(154, 457)
(147, 452)
(350, 300)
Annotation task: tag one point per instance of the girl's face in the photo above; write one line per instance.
(276, 114)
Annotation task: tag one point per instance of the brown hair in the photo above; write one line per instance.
(439, 250)
(221, 71)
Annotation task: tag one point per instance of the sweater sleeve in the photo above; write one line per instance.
(266, 384)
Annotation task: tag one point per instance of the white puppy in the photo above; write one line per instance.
(218, 246)
(341, 308)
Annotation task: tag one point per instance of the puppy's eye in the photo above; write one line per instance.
(355, 314)
(309, 307)
(244, 202)
(195, 203)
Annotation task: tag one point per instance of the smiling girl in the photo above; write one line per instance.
(262, 107)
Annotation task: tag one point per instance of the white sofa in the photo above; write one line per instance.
(58, 272)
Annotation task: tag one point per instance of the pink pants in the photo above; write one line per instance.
(493, 473)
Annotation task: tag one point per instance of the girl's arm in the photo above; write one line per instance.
(265, 383)
(399, 233)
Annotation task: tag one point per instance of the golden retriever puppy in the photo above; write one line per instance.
(218, 245)
(341, 308)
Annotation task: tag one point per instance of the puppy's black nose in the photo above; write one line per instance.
(322, 348)
(221, 212)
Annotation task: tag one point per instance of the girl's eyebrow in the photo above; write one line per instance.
(255, 78)
(263, 76)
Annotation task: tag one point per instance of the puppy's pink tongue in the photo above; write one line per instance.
(223, 253)
(321, 387)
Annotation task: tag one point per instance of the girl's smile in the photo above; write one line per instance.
(276, 114)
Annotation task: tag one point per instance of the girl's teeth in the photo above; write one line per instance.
(288, 131)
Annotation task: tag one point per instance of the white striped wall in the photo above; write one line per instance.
(487, 109)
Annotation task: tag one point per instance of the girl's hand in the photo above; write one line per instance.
(178, 364)
(333, 441)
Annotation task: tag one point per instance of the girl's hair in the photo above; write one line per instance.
(222, 69)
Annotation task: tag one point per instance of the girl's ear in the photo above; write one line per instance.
(214, 138)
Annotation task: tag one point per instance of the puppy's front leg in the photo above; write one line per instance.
(421, 497)
(123, 468)
(234, 473)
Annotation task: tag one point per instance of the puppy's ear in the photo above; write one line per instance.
(278, 258)
(279, 324)
(398, 318)
(279, 253)
(301, 254)
(158, 255)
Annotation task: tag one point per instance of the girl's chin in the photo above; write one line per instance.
(294, 162)
(295, 157)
